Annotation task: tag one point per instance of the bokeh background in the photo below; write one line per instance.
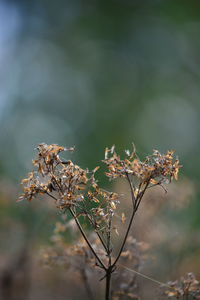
(93, 74)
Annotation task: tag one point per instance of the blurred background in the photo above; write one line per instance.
(93, 74)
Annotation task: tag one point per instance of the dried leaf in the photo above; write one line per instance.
(127, 152)
(116, 231)
(153, 181)
(95, 169)
(112, 149)
(123, 218)
(113, 205)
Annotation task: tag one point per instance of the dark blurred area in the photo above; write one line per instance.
(93, 74)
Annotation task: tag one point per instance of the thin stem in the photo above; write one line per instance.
(86, 239)
(108, 273)
(83, 233)
(135, 208)
(51, 196)
(130, 222)
(108, 281)
(141, 195)
(109, 268)
(98, 234)
(132, 189)
(109, 240)
(101, 239)
(125, 238)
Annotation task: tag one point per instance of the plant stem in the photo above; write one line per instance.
(141, 195)
(109, 250)
(108, 281)
(125, 238)
(86, 239)
(136, 203)
(132, 189)
(102, 241)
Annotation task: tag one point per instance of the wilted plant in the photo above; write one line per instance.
(77, 192)
(78, 258)
(187, 287)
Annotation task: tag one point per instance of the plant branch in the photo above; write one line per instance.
(125, 238)
(135, 208)
(98, 234)
(84, 235)
(51, 196)
(109, 250)
(86, 239)
(108, 281)
(132, 189)
(102, 241)
(142, 194)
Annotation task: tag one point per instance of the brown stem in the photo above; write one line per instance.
(86, 239)
(108, 281)
(136, 203)
(98, 234)
(51, 196)
(82, 232)
(109, 250)
(125, 238)
(132, 189)
(102, 241)
(141, 195)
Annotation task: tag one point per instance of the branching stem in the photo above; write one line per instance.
(136, 203)
(86, 239)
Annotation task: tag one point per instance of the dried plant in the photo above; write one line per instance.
(77, 258)
(77, 192)
(187, 287)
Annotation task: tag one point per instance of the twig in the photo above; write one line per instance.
(109, 268)
(86, 239)
(130, 222)
(132, 189)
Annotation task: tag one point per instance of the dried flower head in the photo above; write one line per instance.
(76, 191)
(187, 287)
(63, 180)
(33, 186)
(154, 169)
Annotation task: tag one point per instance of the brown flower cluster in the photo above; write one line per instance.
(73, 187)
(69, 185)
(32, 187)
(187, 287)
(154, 169)
(63, 180)
(76, 191)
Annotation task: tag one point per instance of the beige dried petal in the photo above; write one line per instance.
(113, 205)
(123, 218)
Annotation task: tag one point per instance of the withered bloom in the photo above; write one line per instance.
(187, 287)
(76, 191)
(154, 169)
(64, 181)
